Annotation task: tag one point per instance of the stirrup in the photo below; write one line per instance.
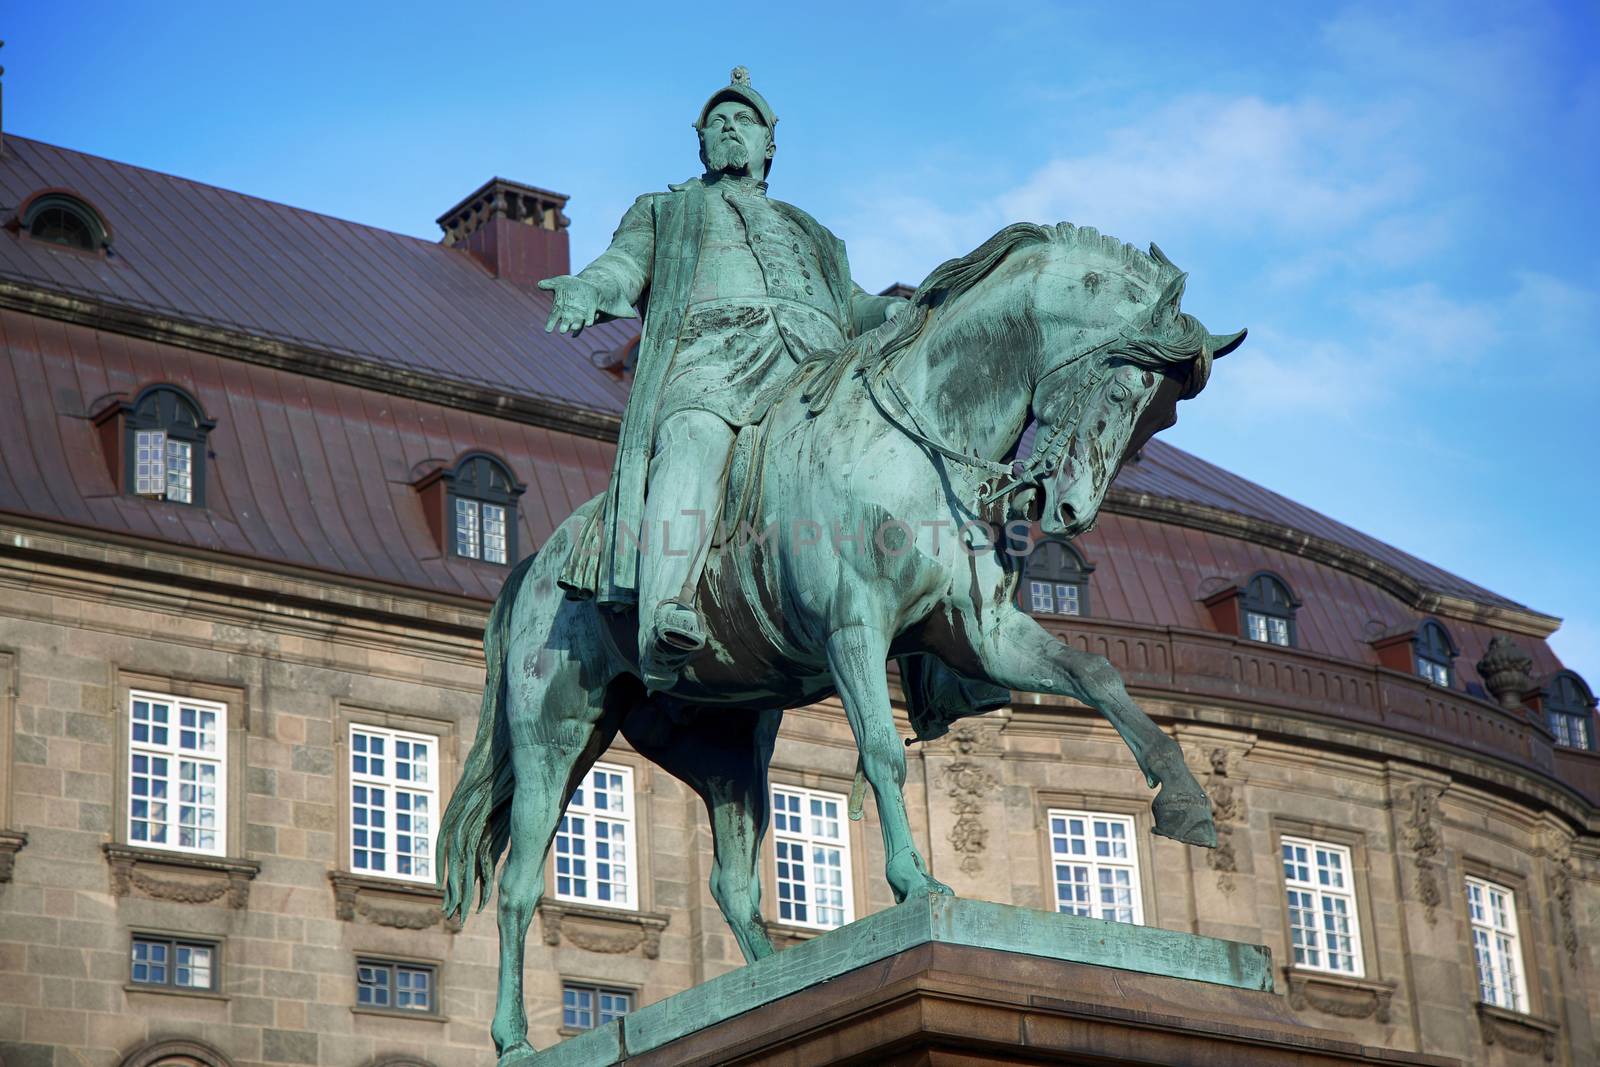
(678, 630)
(657, 676)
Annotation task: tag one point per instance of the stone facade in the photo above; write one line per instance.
(291, 922)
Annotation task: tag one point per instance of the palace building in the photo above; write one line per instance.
(262, 473)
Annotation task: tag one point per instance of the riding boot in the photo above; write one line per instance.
(678, 635)
(681, 507)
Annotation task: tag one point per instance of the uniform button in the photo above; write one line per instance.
(757, 237)
(810, 291)
(797, 246)
(805, 274)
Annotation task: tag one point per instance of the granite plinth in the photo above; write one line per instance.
(939, 980)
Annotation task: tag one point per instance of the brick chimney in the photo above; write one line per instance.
(517, 231)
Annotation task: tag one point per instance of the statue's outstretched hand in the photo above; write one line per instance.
(576, 305)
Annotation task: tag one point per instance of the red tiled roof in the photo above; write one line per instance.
(201, 254)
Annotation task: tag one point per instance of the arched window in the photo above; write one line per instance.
(1269, 609)
(62, 219)
(1057, 580)
(1435, 654)
(165, 446)
(483, 510)
(1569, 710)
(183, 1052)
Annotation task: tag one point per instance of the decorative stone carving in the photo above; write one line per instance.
(398, 905)
(199, 879)
(1507, 672)
(1558, 850)
(11, 842)
(967, 784)
(1423, 836)
(1227, 807)
(1347, 998)
(602, 929)
(1518, 1032)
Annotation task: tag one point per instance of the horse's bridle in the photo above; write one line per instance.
(1005, 478)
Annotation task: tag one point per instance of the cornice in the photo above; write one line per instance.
(347, 367)
(1418, 756)
(1321, 550)
(301, 598)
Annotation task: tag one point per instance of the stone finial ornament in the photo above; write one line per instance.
(1507, 671)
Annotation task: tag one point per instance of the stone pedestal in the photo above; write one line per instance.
(958, 983)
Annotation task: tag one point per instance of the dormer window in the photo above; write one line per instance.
(156, 446)
(1057, 580)
(1569, 710)
(166, 447)
(59, 218)
(1269, 609)
(483, 510)
(1435, 654)
(471, 507)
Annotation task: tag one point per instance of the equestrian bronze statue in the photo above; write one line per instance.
(809, 483)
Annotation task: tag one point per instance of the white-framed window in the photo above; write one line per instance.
(1435, 672)
(1269, 629)
(1324, 927)
(177, 773)
(162, 466)
(811, 837)
(1095, 865)
(1055, 598)
(584, 1007)
(1496, 945)
(595, 848)
(1571, 731)
(480, 530)
(394, 798)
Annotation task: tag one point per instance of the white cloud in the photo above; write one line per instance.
(1275, 379)
(1418, 325)
(1202, 168)
(1207, 163)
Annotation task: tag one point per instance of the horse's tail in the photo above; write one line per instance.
(477, 821)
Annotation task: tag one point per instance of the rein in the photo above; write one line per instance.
(1007, 477)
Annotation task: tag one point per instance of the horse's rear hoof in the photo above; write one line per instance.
(1185, 817)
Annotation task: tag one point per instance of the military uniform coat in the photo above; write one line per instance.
(652, 262)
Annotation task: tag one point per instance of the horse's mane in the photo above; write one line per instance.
(953, 277)
(956, 276)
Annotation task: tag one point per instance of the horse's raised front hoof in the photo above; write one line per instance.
(1185, 816)
(518, 1055)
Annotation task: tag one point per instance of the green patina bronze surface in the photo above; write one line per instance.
(1072, 938)
(809, 482)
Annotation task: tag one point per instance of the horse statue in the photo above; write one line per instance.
(907, 440)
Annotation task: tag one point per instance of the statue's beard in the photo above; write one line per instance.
(727, 156)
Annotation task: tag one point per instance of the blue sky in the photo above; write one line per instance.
(1398, 200)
